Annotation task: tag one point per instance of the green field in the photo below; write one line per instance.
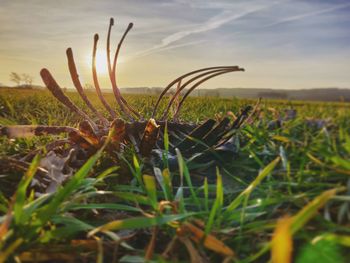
(290, 184)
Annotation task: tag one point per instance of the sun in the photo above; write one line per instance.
(101, 62)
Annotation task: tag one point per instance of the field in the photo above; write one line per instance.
(284, 195)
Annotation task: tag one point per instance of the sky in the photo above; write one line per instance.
(286, 44)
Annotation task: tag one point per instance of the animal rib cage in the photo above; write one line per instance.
(145, 135)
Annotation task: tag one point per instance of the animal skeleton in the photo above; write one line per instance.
(145, 135)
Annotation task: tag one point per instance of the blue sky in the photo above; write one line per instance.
(281, 44)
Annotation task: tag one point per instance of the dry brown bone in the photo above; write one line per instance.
(145, 135)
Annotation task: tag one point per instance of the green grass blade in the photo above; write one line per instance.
(65, 192)
(22, 191)
(167, 184)
(217, 204)
(179, 193)
(139, 222)
(109, 171)
(133, 197)
(302, 217)
(343, 240)
(68, 227)
(166, 138)
(186, 174)
(238, 200)
(165, 153)
(206, 194)
(107, 206)
(151, 189)
(309, 211)
(163, 179)
(137, 173)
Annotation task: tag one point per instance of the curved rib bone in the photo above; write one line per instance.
(57, 92)
(182, 87)
(114, 72)
(95, 79)
(75, 78)
(199, 83)
(25, 131)
(177, 80)
(115, 88)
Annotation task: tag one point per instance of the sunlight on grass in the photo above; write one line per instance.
(281, 193)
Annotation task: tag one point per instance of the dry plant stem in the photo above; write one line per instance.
(177, 80)
(115, 252)
(57, 92)
(199, 83)
(75, 78)
(183, 86)
(18, 165)
(170, 247)
(192, 251)
(152, 243)
(96, 83)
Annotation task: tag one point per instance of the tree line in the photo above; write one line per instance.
(21, 79)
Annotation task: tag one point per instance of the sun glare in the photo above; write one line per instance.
(101, 62)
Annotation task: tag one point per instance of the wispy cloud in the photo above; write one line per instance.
(312, 34)
(213, 23)
(165, 48)
(308, 14)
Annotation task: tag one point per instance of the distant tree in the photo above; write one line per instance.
(27, 79)
(88, 86)
(15, 77)
(18, 78)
